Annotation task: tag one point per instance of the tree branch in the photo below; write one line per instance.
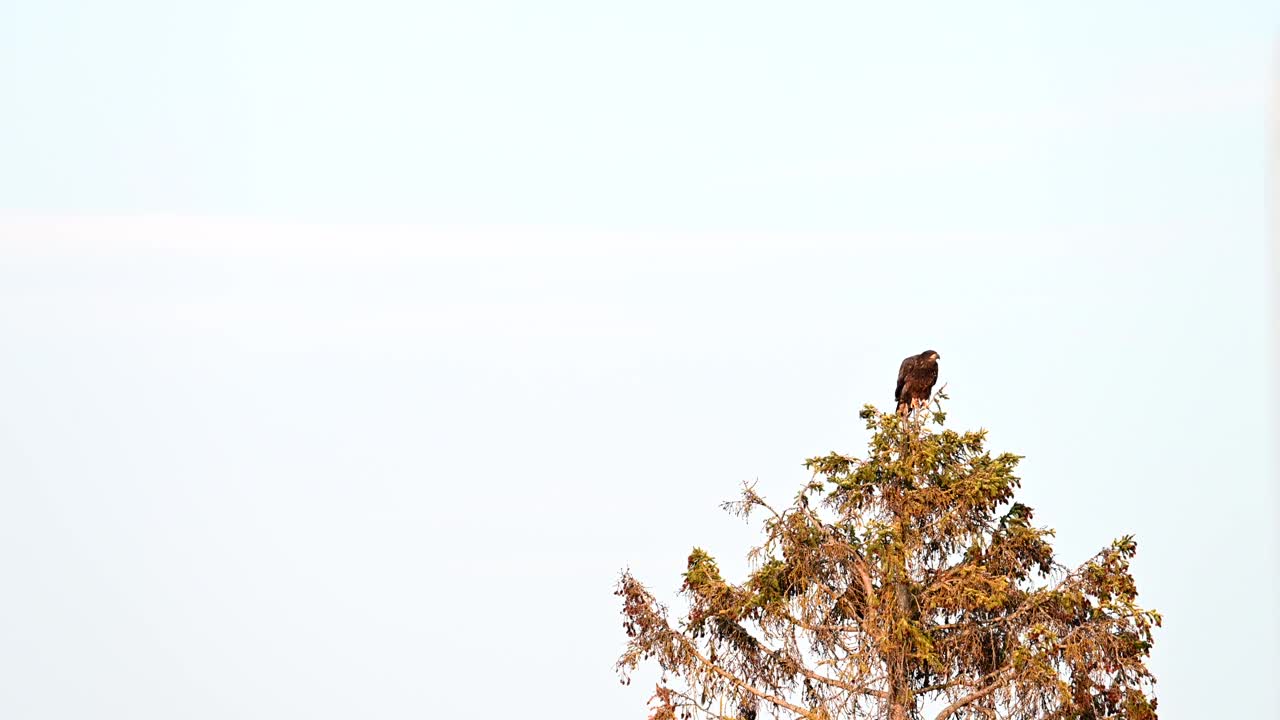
(713, 667)
(843, 685)
(996, 684)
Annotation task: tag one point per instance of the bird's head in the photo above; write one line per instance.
(931, 355)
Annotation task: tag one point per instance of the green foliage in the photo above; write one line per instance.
(906, 576)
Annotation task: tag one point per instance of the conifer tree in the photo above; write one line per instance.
(906, 584)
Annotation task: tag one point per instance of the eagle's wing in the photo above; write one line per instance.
(902, 378)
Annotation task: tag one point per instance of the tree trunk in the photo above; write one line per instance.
(901, 700)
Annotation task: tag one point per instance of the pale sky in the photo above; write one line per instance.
(354, 349)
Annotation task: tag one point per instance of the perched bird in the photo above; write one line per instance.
(916, 377)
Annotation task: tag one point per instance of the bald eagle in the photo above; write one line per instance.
(916, 377)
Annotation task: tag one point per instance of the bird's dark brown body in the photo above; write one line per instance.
(916, 377)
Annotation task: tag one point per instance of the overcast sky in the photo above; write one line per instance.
(351, 350)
